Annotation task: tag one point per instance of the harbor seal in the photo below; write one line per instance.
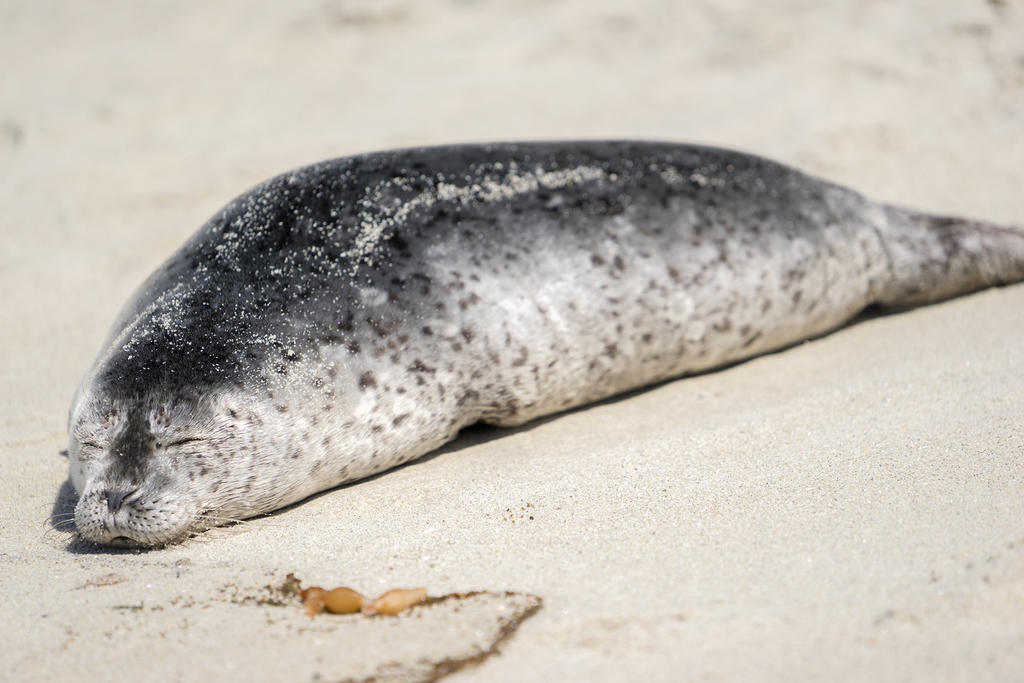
(353, 315)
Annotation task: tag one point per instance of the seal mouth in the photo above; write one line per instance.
(124, 542)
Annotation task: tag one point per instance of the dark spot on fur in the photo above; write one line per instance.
(469, 301)
(399, 243)
(420, 366)
(524, 355)
(281, 408)
(597, 260)
(610, 206)
(367, 380)
(353, 346)
(399, 419)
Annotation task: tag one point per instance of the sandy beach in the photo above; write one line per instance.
(848, 509)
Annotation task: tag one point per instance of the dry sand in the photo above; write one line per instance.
(849, 509)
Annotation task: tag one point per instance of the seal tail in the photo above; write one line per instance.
(937, 257)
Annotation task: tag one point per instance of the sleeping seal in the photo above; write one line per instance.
(352, 315)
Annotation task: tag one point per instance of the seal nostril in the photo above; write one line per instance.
(115, 498)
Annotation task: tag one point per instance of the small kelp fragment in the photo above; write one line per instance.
(343, 601)
(395, 600)
(314, 600)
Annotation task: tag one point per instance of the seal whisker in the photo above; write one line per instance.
(58, 516)
(63, 526)
(59, 520)
(63, 523)
(220, 519)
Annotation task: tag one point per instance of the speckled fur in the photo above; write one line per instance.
(352, 315)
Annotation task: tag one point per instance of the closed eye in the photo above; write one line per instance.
(179, 442)
(89, 450)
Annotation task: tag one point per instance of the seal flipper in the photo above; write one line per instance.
(933, 257)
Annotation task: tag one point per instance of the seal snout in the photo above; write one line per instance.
(124, 515)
